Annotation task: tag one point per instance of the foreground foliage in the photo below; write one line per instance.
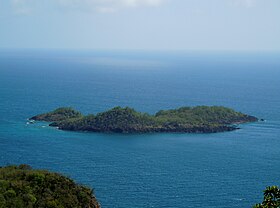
(22, 187)
(271, 198)
(201, 119)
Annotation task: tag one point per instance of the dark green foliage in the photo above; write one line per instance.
(22, 187)
(271, 198)
(201, 119)
(122, 120)
(59, 114)
(203, 114)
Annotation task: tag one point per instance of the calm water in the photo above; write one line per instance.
(222, 170)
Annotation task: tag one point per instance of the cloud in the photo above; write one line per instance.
(103, 6)
(243, 3)
(21, 6)
(108, 5)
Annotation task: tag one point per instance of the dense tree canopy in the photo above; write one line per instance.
(22, 187)
(58, 115)
(201, 119)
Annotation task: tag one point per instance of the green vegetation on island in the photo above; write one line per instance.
(22, 187)
(271, 198)
(200, 119)
(59, 114)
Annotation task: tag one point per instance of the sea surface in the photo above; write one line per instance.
(222, 170)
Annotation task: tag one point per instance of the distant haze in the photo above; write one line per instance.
(252, 25)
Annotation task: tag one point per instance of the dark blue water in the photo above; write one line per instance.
(154, 170)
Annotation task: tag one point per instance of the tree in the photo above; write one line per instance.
(271, 198)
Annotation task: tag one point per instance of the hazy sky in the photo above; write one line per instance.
(141, 24)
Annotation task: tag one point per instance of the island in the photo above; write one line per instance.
(23, 187)
(200, 119)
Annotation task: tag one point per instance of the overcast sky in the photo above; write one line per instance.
(141, 24)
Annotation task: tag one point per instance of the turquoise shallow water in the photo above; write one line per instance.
(154, 170)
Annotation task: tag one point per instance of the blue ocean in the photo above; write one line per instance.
(221, 170)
